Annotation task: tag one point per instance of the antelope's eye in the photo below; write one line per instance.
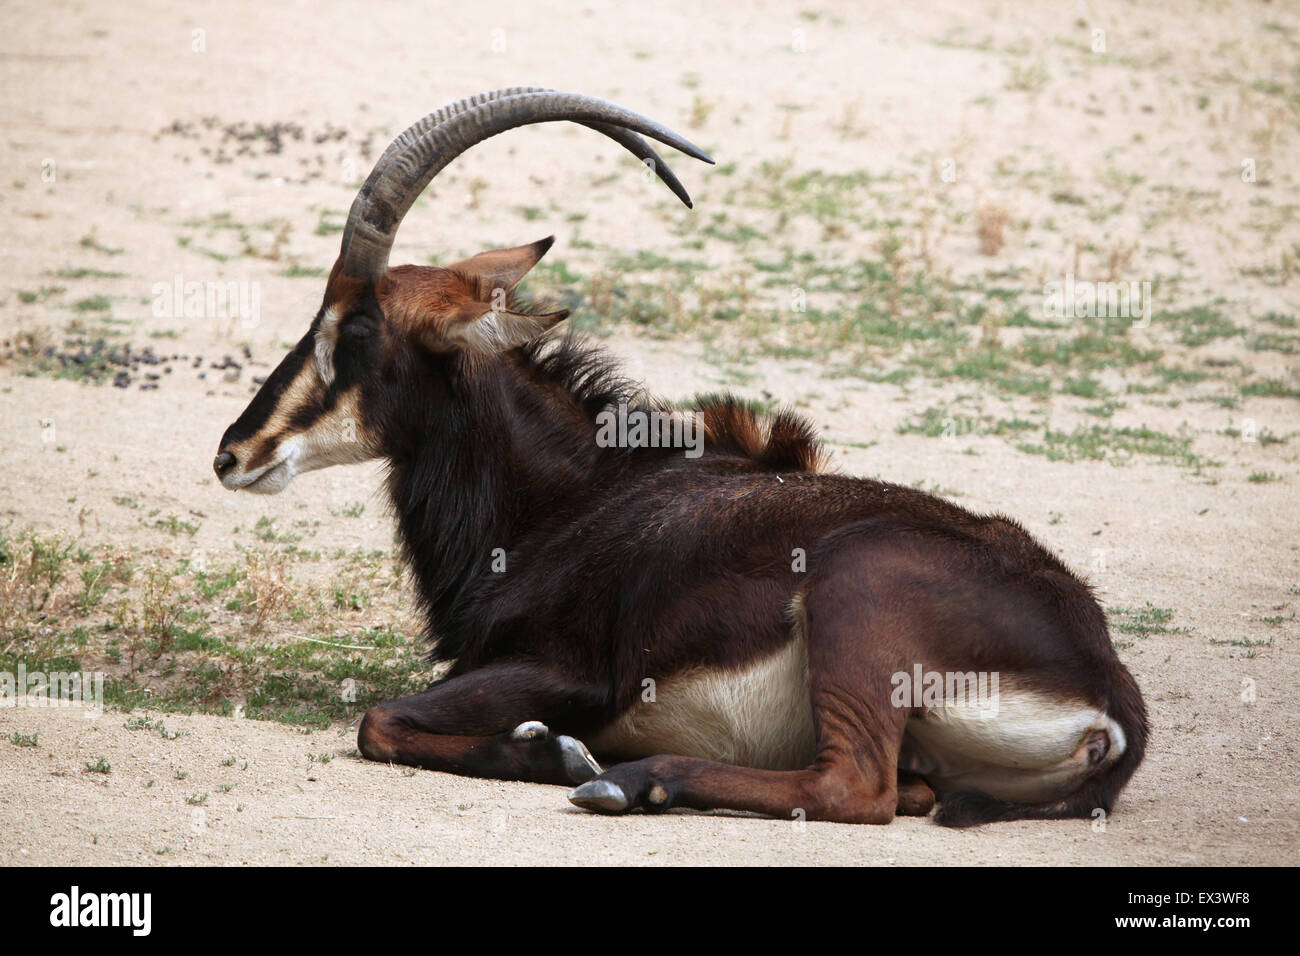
(355, 330)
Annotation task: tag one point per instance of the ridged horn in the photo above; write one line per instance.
(415, 157)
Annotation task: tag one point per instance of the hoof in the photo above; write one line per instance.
(599, 795)
(579, 764)
(530, 729)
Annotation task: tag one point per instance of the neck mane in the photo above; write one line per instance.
(516, 447)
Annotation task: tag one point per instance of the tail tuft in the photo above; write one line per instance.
(970, 808)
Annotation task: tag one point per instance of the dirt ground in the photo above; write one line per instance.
(113, 99)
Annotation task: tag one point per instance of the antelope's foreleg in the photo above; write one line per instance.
(494, 722)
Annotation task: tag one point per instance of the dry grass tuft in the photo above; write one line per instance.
(991, 227)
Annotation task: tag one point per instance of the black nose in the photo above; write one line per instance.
(223, 463)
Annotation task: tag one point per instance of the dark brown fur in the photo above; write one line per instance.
(623, 564)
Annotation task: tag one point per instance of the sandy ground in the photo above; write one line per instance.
(90, 87)
(286, 808)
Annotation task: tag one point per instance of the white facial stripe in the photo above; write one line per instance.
(334, 438)
(325, 339)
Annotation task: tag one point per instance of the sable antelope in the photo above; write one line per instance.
(565, 580)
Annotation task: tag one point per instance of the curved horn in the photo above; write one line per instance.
(629, 140)
(413, 159)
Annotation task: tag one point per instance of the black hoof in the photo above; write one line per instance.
(602, 796)
(579, 764)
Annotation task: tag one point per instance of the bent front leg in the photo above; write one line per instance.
(495, 722)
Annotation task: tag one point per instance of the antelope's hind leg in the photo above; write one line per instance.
(852, 780)
(854, 776)
(494, 722)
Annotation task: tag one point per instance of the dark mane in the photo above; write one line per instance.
(782, 441)
(585, 371)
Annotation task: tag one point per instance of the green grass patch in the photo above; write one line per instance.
(94, 303)
(1104, 442)
(296, 271)
(1270, 388)
(1141, 622)
(84, 273)
(1198, 326)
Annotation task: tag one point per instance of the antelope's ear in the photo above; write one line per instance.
(501, 268)
(481, 328)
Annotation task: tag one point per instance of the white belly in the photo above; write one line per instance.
(759, 716)
(1029, 749)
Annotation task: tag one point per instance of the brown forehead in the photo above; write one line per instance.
(344, 294)
(411, 296)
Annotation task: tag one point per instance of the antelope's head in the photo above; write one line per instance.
(337, 396)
